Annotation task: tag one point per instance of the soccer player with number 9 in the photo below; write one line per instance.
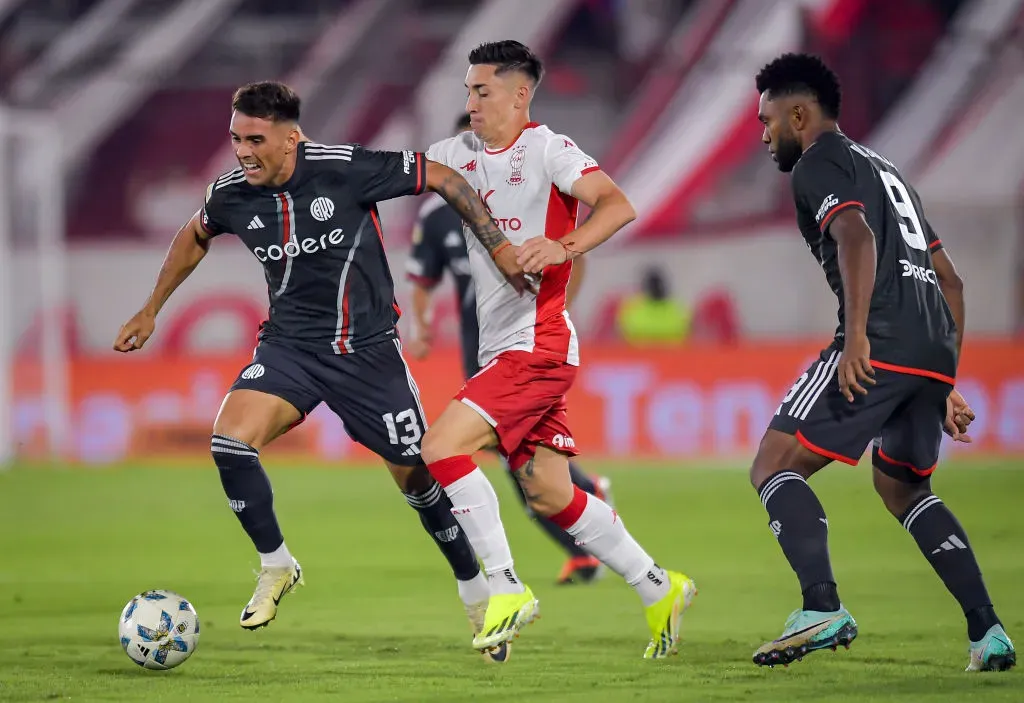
(887, 377)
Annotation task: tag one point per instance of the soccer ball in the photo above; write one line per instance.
(159, 629)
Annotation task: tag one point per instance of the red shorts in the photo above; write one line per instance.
(522, 396)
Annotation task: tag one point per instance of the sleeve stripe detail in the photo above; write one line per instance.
(936, 243)
(421, 172)
(591, 169)
(836, 210)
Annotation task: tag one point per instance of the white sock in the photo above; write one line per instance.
(475, 506)
(278, 558)
(475, 590)
(600, 531)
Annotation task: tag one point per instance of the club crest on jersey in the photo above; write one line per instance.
(253, 371)
(321, 209)
(516, 161)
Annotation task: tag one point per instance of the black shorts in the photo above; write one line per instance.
(371, 390)
(903, 414)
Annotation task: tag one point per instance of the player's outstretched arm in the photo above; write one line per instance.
(187, 249)
(465, 201)
(857, 260)
(610, 212)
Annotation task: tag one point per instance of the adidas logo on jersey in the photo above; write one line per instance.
(255, 223)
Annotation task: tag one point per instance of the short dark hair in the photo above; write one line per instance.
(509, 55)
(268, 100)
(802, 73)
(462, 123)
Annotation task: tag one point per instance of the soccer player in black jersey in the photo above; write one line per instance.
(308, 214)
(438, 245)
(887, 377)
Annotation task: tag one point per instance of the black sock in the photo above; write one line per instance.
(797, 519)
(435, 510)
(944, 544)
(581, 479)
(562, 538)
(248, 490)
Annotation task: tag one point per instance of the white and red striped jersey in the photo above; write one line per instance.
(527, 188)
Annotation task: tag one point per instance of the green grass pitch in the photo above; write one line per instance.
(379, 618)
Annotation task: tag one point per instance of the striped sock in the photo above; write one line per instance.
(435, 511)
(944, 544)
(248, 490)
(798, 521)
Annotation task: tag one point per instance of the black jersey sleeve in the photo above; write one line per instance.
(428, 258)
(212, 217)
(934, 243)
(382, 175)
(932, 239)
(824, 185)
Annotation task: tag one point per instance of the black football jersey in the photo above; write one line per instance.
(910, 326)
(320, 241)
(439, 244)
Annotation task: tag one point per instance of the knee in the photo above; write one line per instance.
(228, 435)
(547, 501)
(412, 480)
(434, 448)
(229, 452)
(233, 427)
(783, 452)
(897, 495)
(540, 505)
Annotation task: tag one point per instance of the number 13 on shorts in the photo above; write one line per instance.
(403, 427)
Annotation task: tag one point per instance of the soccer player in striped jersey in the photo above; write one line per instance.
(533, 180)
(308, 213)
(439, 245)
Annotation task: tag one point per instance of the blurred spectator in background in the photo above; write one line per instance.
(651, 317)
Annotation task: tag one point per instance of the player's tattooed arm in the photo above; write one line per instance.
(465, 201)
(857, 261)
(187, 249)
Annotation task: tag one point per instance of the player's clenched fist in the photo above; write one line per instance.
(958, 417)
(135, 332)
(538, 253)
